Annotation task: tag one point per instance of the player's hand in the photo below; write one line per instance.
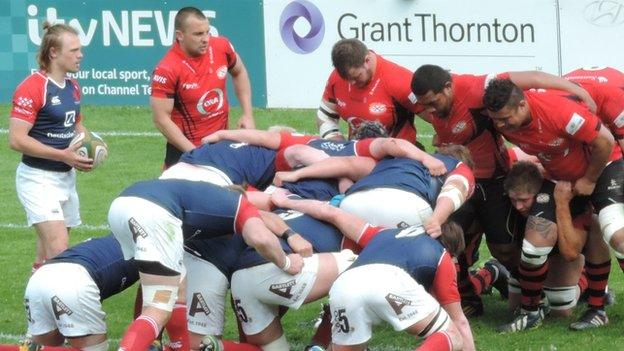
(281, 177)
(246, 122)
(296, 264)
(300, 245)
(563, 192)
(584, 187)
(70, 157)
(433, 227)
(435, 166)
(212, 138)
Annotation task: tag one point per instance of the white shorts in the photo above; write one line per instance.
(147, 232)
(206, 290)
(366, 295)
(259, 291)
(47, 195)
(389, 207)
(182, 170)
(63, 296)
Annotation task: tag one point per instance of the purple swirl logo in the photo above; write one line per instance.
(311, 41)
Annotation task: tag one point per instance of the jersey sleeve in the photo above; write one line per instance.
(164, 82)
(362, 147)
(464, 173)
(445, 281)
(77, 97)
(398, 80)
(368, 233)
(290, 139)
(578, 123)
(230, 53)
(27, 101)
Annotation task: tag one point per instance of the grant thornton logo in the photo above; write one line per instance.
(311, 41)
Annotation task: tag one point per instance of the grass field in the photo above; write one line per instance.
(136, 153)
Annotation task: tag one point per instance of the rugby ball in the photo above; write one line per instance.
(91, 146)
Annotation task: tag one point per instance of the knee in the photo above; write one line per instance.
(534, 255)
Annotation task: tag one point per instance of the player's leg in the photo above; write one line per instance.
(597, 269)
(561, 284)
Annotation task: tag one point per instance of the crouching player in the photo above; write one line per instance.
(153, 219)
(259, 288)
(63, 297)
(405, 264)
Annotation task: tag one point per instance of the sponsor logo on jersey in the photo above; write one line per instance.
(198, 305)
(575, 124)
(222, 72)
(397, 302)
(459, 127)
(212, 100)
(159, 79)
(544, 157)
(55, 100)
(614, 185)
(542, 198)
(556, 142)
(329, 145)
(412, 98)
(377, 108)
(341, 103)
(619, 120)
(283, 289)
(188, 86)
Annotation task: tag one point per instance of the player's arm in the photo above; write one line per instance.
(20, 141)
(542, 80)
(350, 225)
(600, 151)
(161, 113)
(457, 188)
(303, 155)
(242, 88)
(270, 140)
(277, 225)
(384, 147)
(570, 240)
(352, 167)
(327, 119)
(445, 290)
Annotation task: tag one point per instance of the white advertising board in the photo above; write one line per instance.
(592, 33)
(496, 36)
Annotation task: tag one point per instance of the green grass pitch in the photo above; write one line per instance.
(136, 153)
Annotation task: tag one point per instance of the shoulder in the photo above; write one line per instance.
(221, 43)
(34, 82)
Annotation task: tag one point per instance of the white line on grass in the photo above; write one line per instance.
(156, 134)
(86, 227)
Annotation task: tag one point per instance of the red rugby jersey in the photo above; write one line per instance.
(602, 75)
(468, 125)
(387, 99)
(197, 85)
(558, 134)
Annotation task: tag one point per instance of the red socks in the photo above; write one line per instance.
(140, 334)
(177, 329)
(234, 346)
(438, 341)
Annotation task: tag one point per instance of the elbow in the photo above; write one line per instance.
(14, 144)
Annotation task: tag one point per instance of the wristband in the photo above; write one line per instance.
(286, 264)
(287, 234)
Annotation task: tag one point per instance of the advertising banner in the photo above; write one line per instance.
(122, 42)
(592, 33)
(499, 36)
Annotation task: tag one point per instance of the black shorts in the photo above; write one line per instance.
(172, 155)
(608, 188)
(490, 208)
